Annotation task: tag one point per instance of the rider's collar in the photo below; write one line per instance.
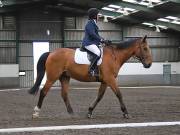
(95, 21)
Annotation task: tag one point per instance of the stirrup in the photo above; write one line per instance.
(93, 73)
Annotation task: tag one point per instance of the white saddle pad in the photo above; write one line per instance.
(81, 57)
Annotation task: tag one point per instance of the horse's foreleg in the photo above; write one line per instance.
(64, 93)
(43, 93)
(101, 92)
(117, 92)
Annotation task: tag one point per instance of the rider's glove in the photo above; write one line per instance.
(106, 42)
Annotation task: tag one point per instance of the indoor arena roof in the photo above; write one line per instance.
(72, 6)
(161, 15)
(158, 14)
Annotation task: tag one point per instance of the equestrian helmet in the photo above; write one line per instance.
(92, 13)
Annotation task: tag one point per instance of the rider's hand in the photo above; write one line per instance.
(106, 42)
(102, 40)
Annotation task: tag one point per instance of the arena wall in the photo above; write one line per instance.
(9, 75)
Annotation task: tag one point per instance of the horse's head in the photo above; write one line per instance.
(143, 52)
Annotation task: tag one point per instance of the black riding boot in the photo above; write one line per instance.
(93, 65)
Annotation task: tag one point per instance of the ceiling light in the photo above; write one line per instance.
(114, 6)
(1, 4)
(130, 9)
(122, 11)
(156, 1)
(163, 19)
(143, 3)
(171, 17)
(149, 24)
(119, 11)
(163, 27)
(175, 22)
(131, 1)
(109, 9)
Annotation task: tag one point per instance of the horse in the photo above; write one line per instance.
(60, 65)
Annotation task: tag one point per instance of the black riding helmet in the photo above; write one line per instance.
(92, 13)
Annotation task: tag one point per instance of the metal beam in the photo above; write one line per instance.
(138, 21)
(156, 12)
(12, 7)
(129, 19)
(109, 13)
(23, 5)
(151, 10)
(85, 4)
(175, 1)
(135, 6)
(169, 25)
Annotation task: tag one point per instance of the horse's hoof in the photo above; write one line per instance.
(35, 116)
(70, 110)
(89, 116)
(127, 116)
(71, 114)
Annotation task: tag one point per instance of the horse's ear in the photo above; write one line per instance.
(144, 38)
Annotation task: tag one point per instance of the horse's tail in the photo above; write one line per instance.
(40, 73)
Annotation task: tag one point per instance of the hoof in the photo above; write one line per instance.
(35, 116)
(36, 113)
(89, 115)
(127, 116)
(71, 112)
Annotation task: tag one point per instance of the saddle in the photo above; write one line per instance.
(84, 56)
(90, 55)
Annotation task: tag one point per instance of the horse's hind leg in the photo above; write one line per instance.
(43, 93)
(101, 92)
(112, 83)
(64, 79)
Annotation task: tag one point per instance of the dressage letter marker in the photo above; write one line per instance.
(78, 127)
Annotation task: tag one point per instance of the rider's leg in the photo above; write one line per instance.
(96, 51)
(94, 62)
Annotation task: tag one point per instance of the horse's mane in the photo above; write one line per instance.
(124, 44)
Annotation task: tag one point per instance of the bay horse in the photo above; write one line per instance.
(60, 65)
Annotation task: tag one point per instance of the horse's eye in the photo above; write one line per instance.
(145, 49)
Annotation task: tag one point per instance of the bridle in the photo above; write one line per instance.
(140, 58)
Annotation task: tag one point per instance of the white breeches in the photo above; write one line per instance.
(94, 49)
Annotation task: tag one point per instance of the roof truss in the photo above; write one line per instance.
(146, 14)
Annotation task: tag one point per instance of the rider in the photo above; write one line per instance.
(92, 39)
